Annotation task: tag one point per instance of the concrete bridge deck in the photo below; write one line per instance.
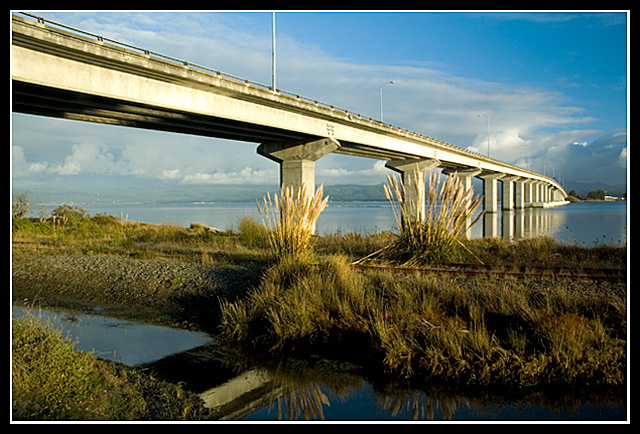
(66, 73)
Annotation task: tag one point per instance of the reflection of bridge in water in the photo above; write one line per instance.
(296, 391)
(518, 224)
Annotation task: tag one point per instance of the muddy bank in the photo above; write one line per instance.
(164, 291)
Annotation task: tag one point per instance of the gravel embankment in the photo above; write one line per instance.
(127, 284)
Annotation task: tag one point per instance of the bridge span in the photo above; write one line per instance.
(67, 73)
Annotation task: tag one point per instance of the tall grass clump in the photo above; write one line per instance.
(291, 221)
(437, 237)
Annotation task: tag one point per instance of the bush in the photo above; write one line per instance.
(20, 206)
(252, 233)
(68, 214)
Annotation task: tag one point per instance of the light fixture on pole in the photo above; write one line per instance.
(391, 82)
(488, 132)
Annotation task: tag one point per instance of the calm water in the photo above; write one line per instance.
(581, 223)
(293, 392)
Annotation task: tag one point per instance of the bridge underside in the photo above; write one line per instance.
(46, 101)
(52, 102)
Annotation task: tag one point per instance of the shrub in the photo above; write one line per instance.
(252, 233)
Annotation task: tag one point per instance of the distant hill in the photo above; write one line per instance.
(189, 194)
(226, 193)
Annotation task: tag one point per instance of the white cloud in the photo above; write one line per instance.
(622, 158)
(19, 165)
(170, 174)
(245, 176)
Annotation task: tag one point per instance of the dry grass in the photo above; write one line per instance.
(478, 331)
(435, 239)
(291, 221)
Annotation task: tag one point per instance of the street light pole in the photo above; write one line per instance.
(391, 82)
(273, 51)
(488, 132)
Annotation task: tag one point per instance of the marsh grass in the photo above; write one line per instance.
(291, 221)
(467, 330)
(436, 238)
(472, 331)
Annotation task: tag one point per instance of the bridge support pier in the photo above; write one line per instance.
(297, 161)
(519, 187)
(491, 191)
(413, 177)
(466, 177)
(508, 192)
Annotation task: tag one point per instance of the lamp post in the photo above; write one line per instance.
(391, 82)
(273, 51)
(488, 132)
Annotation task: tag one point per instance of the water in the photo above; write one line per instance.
(586, 224)
(126, 342)
(293, 391)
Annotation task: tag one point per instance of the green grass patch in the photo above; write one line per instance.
(52, 381)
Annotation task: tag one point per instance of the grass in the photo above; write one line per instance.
(464, 330)
(291, 221)
(436, 236)
(52, 381)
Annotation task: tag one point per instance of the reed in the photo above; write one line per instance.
(291, 221)
(435, 238)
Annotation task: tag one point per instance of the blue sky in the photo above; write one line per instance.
(554, 85)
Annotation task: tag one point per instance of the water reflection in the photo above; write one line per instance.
(590, 224)
(240, 386)
(321, 389)
(127, 342)
(520, 224)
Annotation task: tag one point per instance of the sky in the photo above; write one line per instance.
(552, 88)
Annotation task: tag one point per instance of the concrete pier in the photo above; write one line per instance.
(297, 160)
(491, 191)
(413, 177)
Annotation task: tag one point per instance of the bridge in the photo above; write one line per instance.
(62, 72)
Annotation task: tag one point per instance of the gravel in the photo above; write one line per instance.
(135, 284)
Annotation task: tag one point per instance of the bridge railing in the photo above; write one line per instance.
(255, 84)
